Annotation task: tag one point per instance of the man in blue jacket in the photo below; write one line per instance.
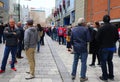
(11, 35)
(79, 38)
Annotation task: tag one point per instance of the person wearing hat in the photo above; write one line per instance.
(30, 42)
(79, 37)
(107, 36)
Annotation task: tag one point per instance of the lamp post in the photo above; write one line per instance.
(109, 7)
(18, 10)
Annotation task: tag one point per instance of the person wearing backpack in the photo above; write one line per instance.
(61, 35)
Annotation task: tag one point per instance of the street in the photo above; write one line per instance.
(53, 64)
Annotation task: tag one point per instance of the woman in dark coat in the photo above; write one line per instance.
(94, 46)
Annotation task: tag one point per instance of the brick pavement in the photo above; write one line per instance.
(47, 69)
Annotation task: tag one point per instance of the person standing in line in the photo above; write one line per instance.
(2, 40)
(68, 38)
(94, 46)
(107, 36)
(40, 34)
(79, 38)
(21, 39)
(61, 35)
(11, 35)
(30, 42)
(119, 42)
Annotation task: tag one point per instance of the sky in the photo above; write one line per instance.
(44, 4)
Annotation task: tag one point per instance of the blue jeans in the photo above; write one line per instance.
(7, 50)
(106, 58)
(83, 57)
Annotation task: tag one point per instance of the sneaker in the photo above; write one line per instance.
(92, 65)
(14, 69)
(83, 79)
(101, 78)
(29, 77)
(73, 77)
(2, 71)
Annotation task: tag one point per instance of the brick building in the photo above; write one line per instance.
(97, 8)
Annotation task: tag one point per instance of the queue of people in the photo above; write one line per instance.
(102, 45)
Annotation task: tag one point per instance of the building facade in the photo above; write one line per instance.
(64, 12)
(4, 8)
(97, 9)
(79, 9)
(24, 14)
(38, 16)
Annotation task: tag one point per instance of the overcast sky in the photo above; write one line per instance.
(45, 4)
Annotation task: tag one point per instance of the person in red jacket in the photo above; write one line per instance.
(61, 35)
(65, 34)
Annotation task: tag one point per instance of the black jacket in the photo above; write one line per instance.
(107, 36)
(10, 37)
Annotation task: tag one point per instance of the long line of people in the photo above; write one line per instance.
(102, 44)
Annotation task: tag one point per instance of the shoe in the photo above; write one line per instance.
(11, 62)
(29, 77)
(73, 77)
(83, 79)
(2, 71)
(14, 69)
(20, 57)
(28, 72)
(92, 65)
(101, 78)
(111, 78)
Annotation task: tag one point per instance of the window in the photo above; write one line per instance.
(68, 3)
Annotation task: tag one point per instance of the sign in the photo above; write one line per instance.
(1, 4)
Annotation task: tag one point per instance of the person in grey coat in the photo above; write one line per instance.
(30, 42)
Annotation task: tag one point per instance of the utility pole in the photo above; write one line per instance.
(109, 7)
(18, 10)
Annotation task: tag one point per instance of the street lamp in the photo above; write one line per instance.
(18, 10)
(108, 7)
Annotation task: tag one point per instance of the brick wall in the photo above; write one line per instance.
(96, 9)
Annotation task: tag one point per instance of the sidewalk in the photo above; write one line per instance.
(93, 73)
(46, 69)
(53, 64)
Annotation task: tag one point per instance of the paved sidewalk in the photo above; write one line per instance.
(46, 69)
(93, 73)
(53, 64)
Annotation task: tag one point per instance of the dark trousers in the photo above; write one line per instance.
(19, 49)
(94, 55)
(7, 50)
(61, 38)
(106, 58)
(42, 40)
(2, 38)
(119, 50)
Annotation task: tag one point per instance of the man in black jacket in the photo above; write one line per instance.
(107, 36)
(11, 34)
